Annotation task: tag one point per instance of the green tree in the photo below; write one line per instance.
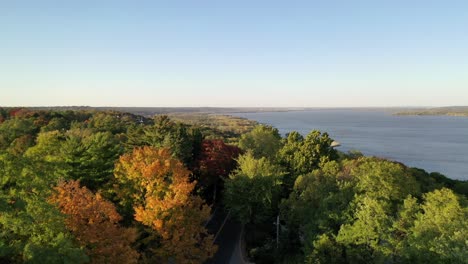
(31, 229)
(20, 145)
(178, 137)
(439, 230)
(102, 150)
(262, 141)
(47, 148)
(315, 211)
(325, 250)
(383, 179)
(56, 123)
(303, 155)
(252, 191)
(366, 237)
(14, 128)
(347, 206)
(402, 226)
(111, 121)
(79, 154)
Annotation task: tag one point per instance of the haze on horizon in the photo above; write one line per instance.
(234, 53)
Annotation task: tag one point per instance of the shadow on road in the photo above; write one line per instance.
(228, 240)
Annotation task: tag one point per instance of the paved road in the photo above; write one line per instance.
(228, 240)
(237, 255)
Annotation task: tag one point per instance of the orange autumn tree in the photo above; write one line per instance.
(159, 188)
(94, 222)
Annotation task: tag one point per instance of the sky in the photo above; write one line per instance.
(234, 53)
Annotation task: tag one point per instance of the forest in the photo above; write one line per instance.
(87, 186)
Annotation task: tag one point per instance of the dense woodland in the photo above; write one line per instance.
(112, 187)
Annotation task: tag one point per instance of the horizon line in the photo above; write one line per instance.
(277, 107)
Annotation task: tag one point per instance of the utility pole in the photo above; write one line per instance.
(277, 232)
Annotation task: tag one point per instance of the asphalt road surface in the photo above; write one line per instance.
(228, 239)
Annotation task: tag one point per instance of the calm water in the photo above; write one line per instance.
(434, 143)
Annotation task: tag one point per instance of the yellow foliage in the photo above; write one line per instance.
(167, 206)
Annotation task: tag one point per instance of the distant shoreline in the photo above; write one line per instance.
(460, 111)
(145, 111)
(431, 114)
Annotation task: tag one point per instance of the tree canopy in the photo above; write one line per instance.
(106, 186)
(262, 141)
(253, 189)
(158, 188)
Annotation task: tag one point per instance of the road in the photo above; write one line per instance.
(228, 239)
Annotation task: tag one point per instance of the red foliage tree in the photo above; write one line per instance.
(216, 160)
(15, 111)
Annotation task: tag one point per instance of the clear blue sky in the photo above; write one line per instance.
(234, 53)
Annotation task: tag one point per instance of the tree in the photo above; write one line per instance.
(252, 191)
(348, 207)
(31, 229)
(303, 155)
(436, 231)
(47, 152)
(365, 238)
(102, 150)
(14, 128)
(157, 186)
(21, 144)
(94, 222)
(315, 211)
(3, 115)
(383, 179)
(325, 250)
(176, 137)
(401, 227)
(79, 154)
(262, 141)
(216, 161)
(56, 123)
(113, 121)
(291, 145)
